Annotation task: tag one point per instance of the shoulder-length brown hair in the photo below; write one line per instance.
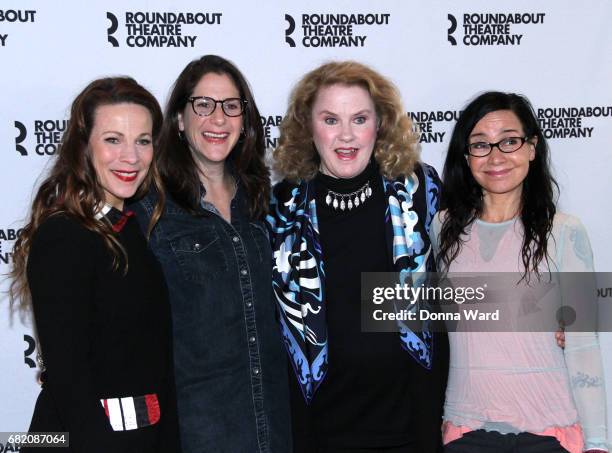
(395, 150)
(72, 187)
(175, 160)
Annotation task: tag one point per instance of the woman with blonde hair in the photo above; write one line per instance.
(83, 266)
(355, 198)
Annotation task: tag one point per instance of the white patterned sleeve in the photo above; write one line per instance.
(582, 352)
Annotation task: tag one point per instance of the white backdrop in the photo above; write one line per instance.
(439, 53)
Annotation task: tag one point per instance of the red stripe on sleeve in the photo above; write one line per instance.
(152, 408)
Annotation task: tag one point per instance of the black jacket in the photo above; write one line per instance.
(103, 334)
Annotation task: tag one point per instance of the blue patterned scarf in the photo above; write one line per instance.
(298, 278)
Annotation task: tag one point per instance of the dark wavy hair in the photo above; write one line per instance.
(175, 160)
(72, 187)
(462, 195)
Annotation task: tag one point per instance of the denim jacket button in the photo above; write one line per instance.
(251, 339)
(197, 246)
(244, 272)
(249, 304)
(256, 371)
(236, 239)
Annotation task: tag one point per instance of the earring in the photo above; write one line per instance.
(181, 135)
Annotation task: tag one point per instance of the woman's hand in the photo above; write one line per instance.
(560, 337)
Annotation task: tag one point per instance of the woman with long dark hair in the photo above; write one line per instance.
(96, 290)
(213, 247)
(514, 391)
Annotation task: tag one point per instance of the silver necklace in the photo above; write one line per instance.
(348, 201)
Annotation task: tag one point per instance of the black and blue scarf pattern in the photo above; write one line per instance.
(298, 276)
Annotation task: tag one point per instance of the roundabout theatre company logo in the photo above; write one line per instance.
(7, 237)
(428, 124)
(485, 29)
(44, 136)
(571, 121)
(332, 30)
(14, 16)
(157, 29)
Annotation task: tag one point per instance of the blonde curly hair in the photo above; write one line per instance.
(395, 150)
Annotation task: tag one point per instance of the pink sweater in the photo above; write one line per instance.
(514, 382)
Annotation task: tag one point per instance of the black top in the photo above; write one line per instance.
(372, 397)
(103, 334)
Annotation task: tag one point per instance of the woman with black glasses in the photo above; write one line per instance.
(212, 244)
(514, 390)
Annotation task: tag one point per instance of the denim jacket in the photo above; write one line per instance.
(230, 365)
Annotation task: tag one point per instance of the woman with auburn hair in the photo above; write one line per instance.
(96, 290)
(213, 247)
(355, 198)
(515, 391)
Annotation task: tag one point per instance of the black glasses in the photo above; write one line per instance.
(205, 106)
(507, 145)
